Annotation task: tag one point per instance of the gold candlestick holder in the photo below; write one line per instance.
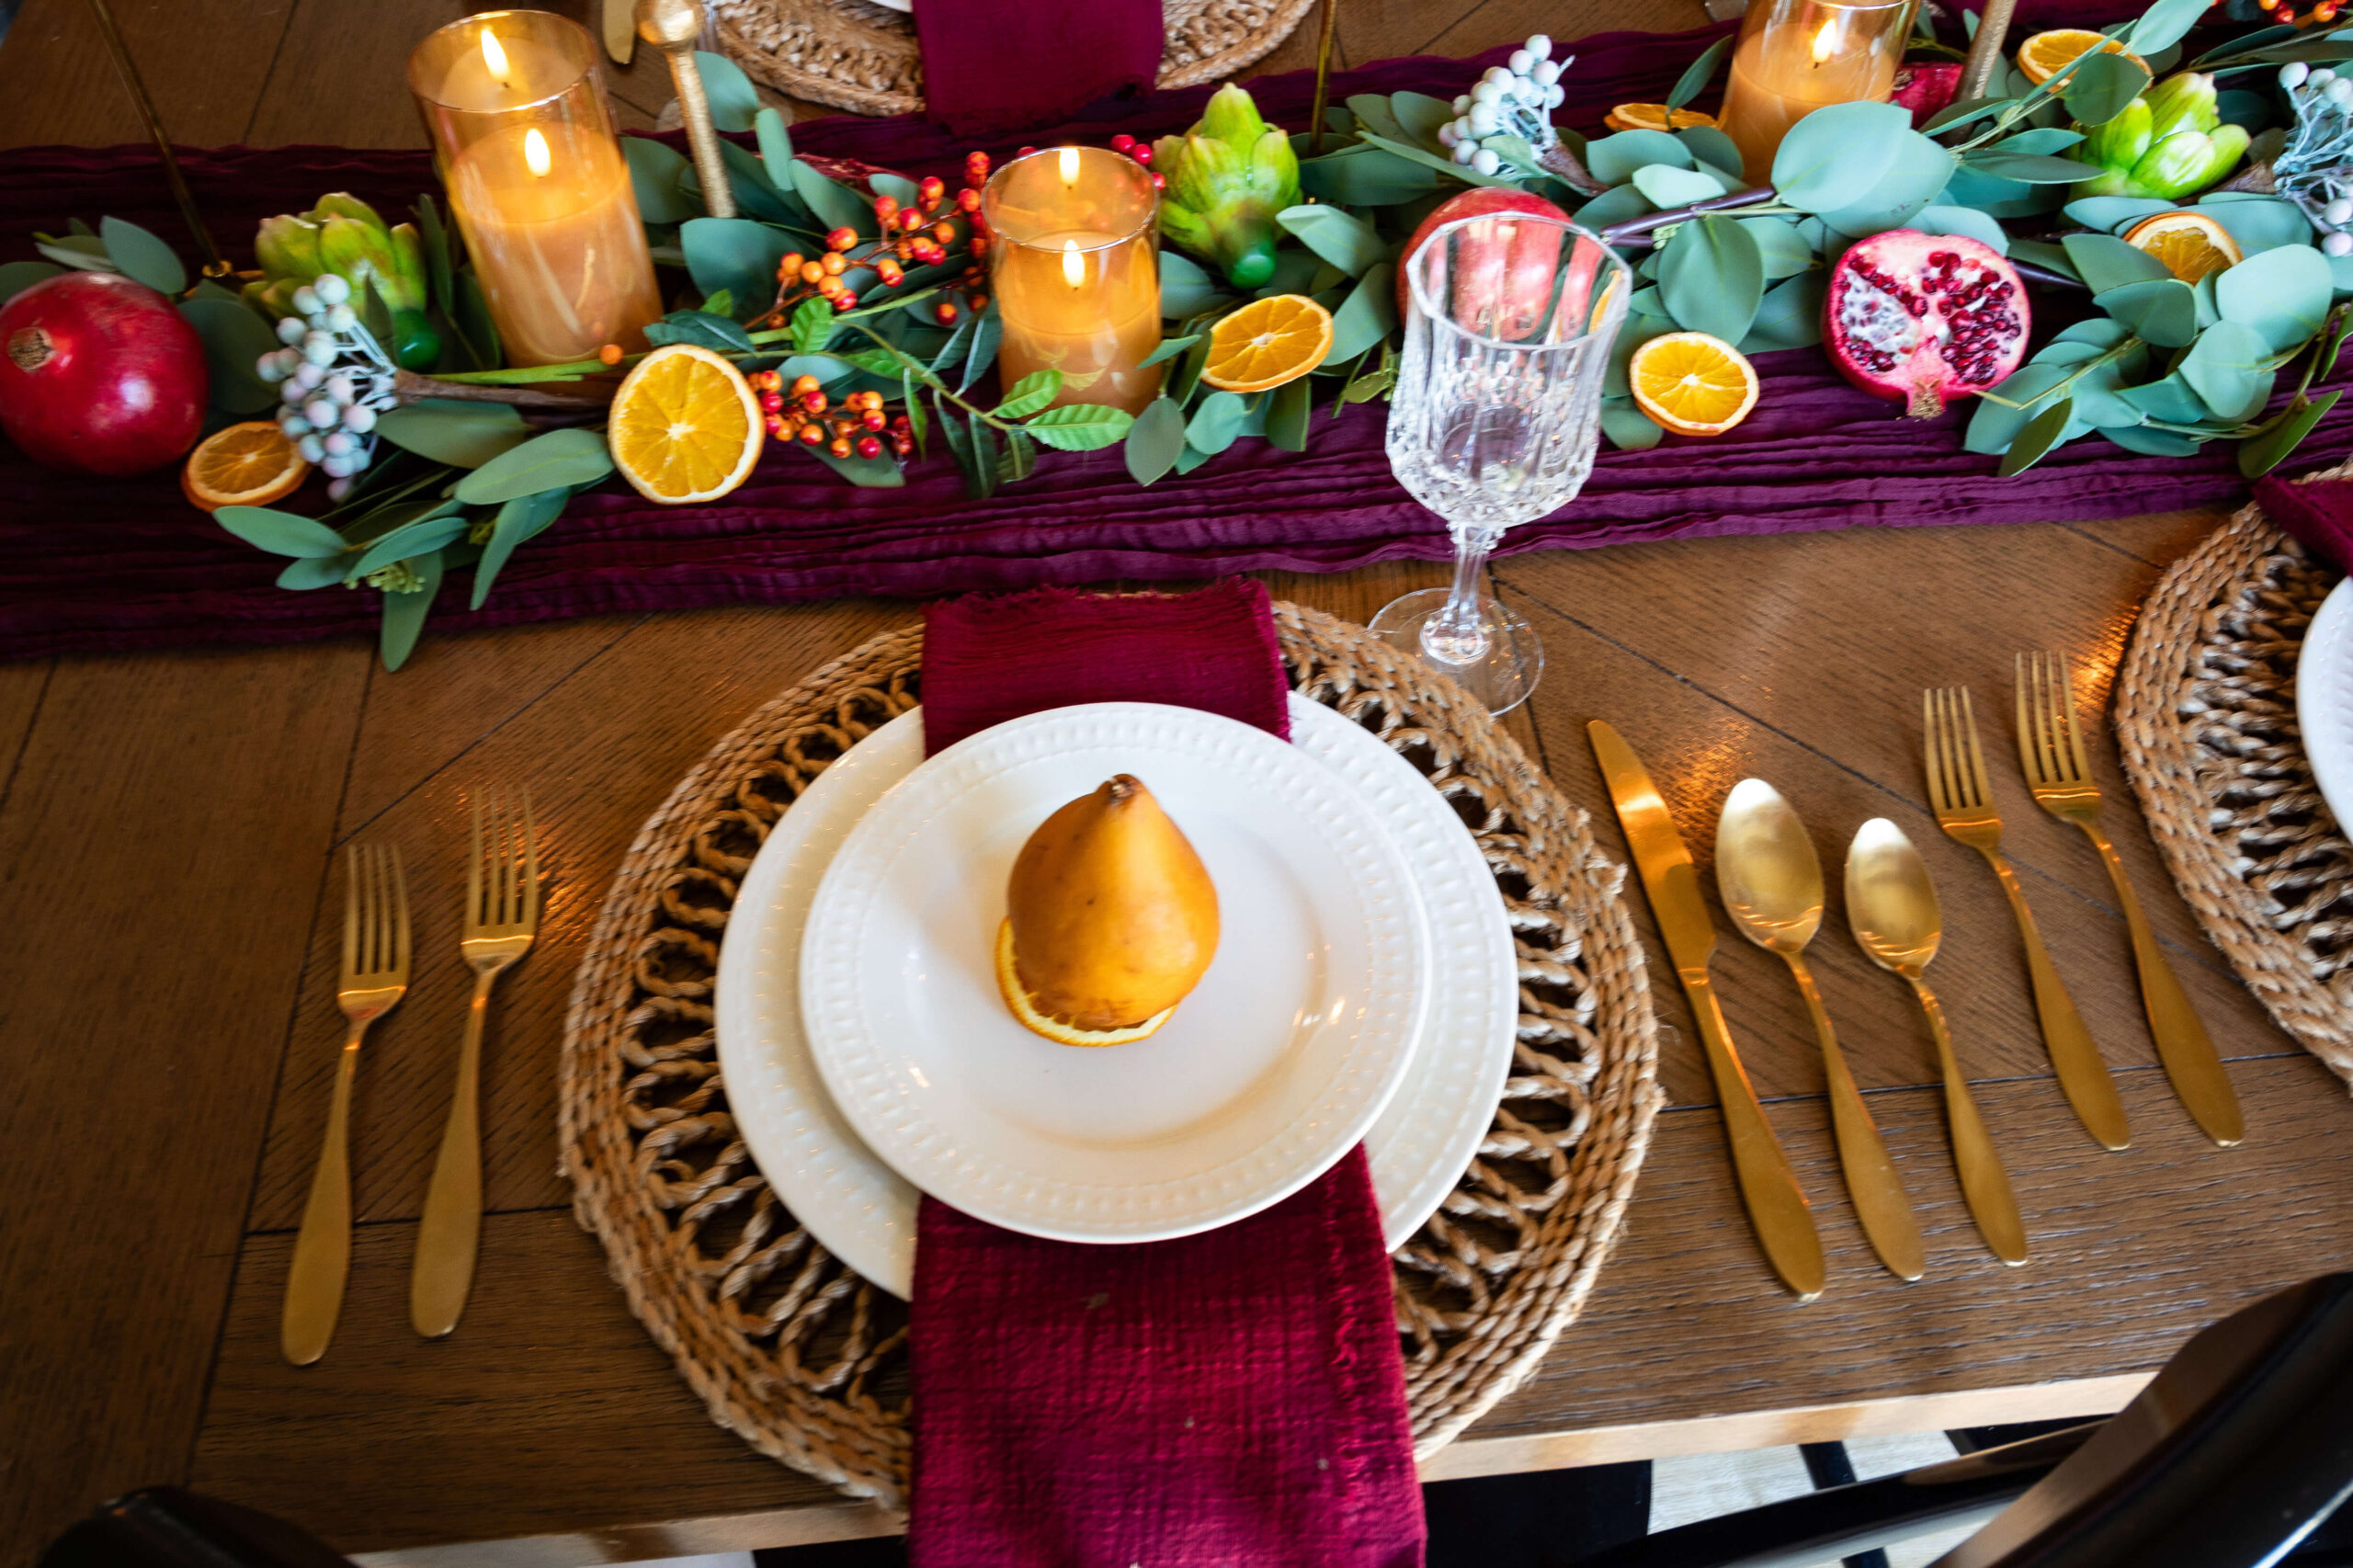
(675, 27)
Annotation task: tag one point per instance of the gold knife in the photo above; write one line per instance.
(1777, 1205)
(621, 29)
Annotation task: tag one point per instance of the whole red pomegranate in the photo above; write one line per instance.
(1923, 318)
(101, 375)
(1924, 90)
(1513, 267)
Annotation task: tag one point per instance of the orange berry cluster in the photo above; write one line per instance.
(2323, 13)
(857, 427)
(915, 234)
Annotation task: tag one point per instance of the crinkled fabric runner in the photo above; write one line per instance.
(89, 564)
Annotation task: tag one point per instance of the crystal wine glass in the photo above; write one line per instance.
(1494, 419)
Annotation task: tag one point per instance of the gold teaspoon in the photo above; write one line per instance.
(1892, 907)
(1771, 883)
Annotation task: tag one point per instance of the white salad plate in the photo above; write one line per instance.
(2324, 699)
(1272, 1068)
(865, 1213)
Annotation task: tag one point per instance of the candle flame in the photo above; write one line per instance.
(1074, 263)
(1070, 165)
(1825, 42)
(535, 149)
(494, 57)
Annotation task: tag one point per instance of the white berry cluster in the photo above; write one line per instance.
(332, 380)
(2316, 168)
(1512, 99)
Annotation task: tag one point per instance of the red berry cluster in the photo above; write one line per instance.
(1141, 153)
(857, 427)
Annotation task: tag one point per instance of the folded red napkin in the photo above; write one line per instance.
(2317, 514)
(1229, 1399)
(989, 67)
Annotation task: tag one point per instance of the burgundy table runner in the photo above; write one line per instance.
(985, 64)
(1227, 1399)
(89, 564)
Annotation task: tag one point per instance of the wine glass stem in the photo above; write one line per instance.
(1457, 634)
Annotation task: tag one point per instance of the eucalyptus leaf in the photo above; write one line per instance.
(2260, 453)
(1365, 175)
(1917, 170)
(1628, 427)
(1995, 425)
(2261, 224)
(2162, 24)
(1190, 459)
(2283, 294)
(280, 533)
(1288, 411)
(1997, 197)
(1216, 423)
(835, 206)
(1339, 237)
(1155, 439)
(1444, 165)
(73, 251)
(1373, 111)
(1698, 74)
(2044, 254)
(314, 571)
(1711, 278)
(739, 254)
(2148, 443)
(1081, 426)
(448, 430)
(2162, 311)
(656, 173)
(1779, 246)
(439, 525)
(1666, 185)
(405, 613)
(2048, 138)
(1420, 116)
(2045, 431)
(2098, 332)
(2113, 212)
(233, 337)
(16, 277)
(1836, 155)
(141, 257)
(1616, 205)
(1184, 289)
(1638, 330)
(2028, 168)
(1967, 112)
(2101, 87)
(1712, 146)
(2168, 399)
(1613, 159)
(1789, 316)
(756, 196)
(518, 520)
(776, 146)
(2226, 368)
(701, 328)
(1368, 315)
(1169, 348)
(734, 102)
(1966, 221)
(2106, 263)
(1029, 395)
(568, 458)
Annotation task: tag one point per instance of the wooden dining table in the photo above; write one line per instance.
(170, 824)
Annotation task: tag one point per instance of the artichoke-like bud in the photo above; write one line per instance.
(2184, 101)
(2189, 161)
(343, 204)
(287, 246)
(365, 253)
(1227, 177)
(2168, 143)
(2121, 143)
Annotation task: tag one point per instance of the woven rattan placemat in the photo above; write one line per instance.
(804, 1359)
(863, 57)
(2206, 723)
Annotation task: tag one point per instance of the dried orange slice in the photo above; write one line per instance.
(244, 465)
(685, 426)
(1267, 343)
(1692, 383)
(1654, 117)
(2191, 244)
(2046, 54)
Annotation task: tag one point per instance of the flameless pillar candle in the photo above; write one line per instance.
(1796, 56)
(537, 183)
(1075, 264)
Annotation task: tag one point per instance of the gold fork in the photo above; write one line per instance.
(502, 917)
(1963, 801)
(374, 977)
(2051, 745)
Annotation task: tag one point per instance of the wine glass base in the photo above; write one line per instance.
(1514, 657)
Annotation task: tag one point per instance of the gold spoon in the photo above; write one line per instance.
(1892, 907)
(1771, 883)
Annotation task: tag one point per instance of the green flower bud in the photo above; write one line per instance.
(1232, 116)
(343, 204)
(1227, 177)
(408, 264)
(1274, 170)
(287, 246)
(356, 251)
(2122, 141)
(2185, 101)
(2187, 161)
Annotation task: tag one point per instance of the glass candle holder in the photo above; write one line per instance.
(524, 141)
(1796, 56)
(1074, 266)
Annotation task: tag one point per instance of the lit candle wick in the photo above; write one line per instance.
(494, 57)
(1074, 263)
(535, 149)
(1070, 165)
(1824, 41)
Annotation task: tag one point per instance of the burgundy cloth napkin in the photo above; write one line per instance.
(1229, 1399)
(2317, 514)
(994, 65)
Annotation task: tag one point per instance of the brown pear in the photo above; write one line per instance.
(1111, 916)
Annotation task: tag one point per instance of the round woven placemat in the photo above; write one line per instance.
(863, 57)
(2206, 723)
(804, 1359)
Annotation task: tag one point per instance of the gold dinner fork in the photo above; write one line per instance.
(374, 977)
(502, 918)
(2051, 745)
(1964, 802)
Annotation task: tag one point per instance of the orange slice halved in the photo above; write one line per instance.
(685, 426)
(243, 465)
(2191, 244)
(1654, 117)
(1267, 343)
(1692, 383)
(2046, 54)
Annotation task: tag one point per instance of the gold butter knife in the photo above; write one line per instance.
(1777, 1205)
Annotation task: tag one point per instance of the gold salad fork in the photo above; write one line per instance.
(1964, 802)
(2051, 746)
(374, 977)
(502, 918)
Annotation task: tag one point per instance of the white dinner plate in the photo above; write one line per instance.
(865, 1214)
(2324, 699)
(1272, 1068)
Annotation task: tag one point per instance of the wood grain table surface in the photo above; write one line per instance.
(168, 823)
